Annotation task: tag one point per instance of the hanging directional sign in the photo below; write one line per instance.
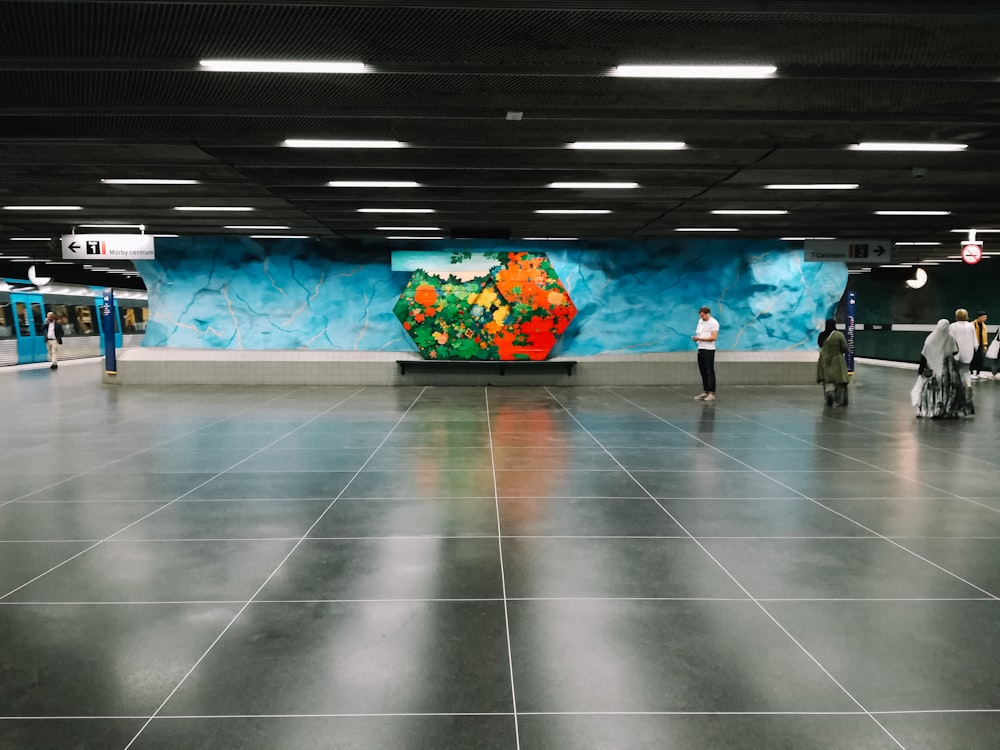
(864, 252)
(107, 247)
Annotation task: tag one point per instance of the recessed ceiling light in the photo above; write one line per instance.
(140, 181)
(164, 236)
(279, 236)
(694, 71)
(395, 210)
(111, 226)
(916, 244)
(414, 237)
(213, 208)
(339, 143)
(912, 213)
(408, 229)
(284, 66)
(594, 185)
(814, 186)
(256, 226)
(43, 208)
(30, 239)
(803, 239)
(373, 183)
(706, 229)
(889, 146)
(977, 231)
(751, 211)
(550, 239)
(572, 210)
(628, 145)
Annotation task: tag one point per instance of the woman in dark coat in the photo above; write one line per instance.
(831, 370)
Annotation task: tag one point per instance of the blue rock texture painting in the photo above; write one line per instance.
(632, 296)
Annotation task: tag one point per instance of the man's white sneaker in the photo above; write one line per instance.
(709, 397)
(701, 397)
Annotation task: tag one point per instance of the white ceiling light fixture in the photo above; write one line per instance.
(30, 239)
(893, 146)
(213, 208)
(750, 211)
(408, 229)
(279, 236)
(550, 239)
(706, 229)
(594, 185)
(912, 213)
(694, 71)
(916, 244)
(144, 181)
(628, 145)
(263, 227)
(918, 281)
(284, 66)
(814, 186)
(415, 237)
(395, 210)
(43, 208)
(373, 184)
(339, 143)
(803, 239)
(979, 231)
(572, 211)
(111, 226)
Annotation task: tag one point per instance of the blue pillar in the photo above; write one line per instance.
(852, 302)
(108, 326)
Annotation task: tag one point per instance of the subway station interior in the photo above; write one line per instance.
(376, 418)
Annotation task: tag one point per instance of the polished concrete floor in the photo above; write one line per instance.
(300, 568)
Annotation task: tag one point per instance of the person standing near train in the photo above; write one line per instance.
(53, 339)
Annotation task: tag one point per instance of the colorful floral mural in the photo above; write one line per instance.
(515, 310)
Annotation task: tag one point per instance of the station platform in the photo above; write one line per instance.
(519, 568)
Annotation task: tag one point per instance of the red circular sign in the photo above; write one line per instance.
(972, 253)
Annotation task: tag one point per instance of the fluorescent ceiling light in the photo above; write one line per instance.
(165, 235)
(803, 239)
(915, 244)
(395, 210)
(706, 229)
(111, 226)
(43, 208)
(628, 145)
(14, 257)
(374, 183)
(30, 239)
(283, 66)
(139, 181)
(594, 185)
(279, 236)
(977, 231)
(694, 71)
(751, 211)
(415, 237)
(572, 210)
(213, 208)
(256, 226)
(408, 229)
(550, 239)
(913, 213)
(889, 146)
(815, 186)
(326, 143)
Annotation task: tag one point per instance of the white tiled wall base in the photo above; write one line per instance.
(227, 367)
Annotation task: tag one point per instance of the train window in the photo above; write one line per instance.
(83, 318)
(37, 316)
(133, 319)
(6, 319)
(22, 319)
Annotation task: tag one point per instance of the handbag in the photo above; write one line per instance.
(994, 350)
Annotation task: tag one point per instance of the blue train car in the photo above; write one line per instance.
(24, 305)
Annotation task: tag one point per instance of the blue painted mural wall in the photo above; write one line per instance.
(632, 296)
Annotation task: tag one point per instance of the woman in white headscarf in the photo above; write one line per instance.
(943, 393)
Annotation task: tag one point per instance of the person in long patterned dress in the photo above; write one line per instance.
(943, 392)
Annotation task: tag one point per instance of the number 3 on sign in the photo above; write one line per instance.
(972, 253)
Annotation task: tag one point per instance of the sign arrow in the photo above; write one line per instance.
(880, 250)
(73, 246)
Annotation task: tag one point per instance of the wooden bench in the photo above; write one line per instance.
(500, 367)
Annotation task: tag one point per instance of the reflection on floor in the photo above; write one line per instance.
(514, 568)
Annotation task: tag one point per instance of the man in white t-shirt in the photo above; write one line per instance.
(965, 335)
(706, 335)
